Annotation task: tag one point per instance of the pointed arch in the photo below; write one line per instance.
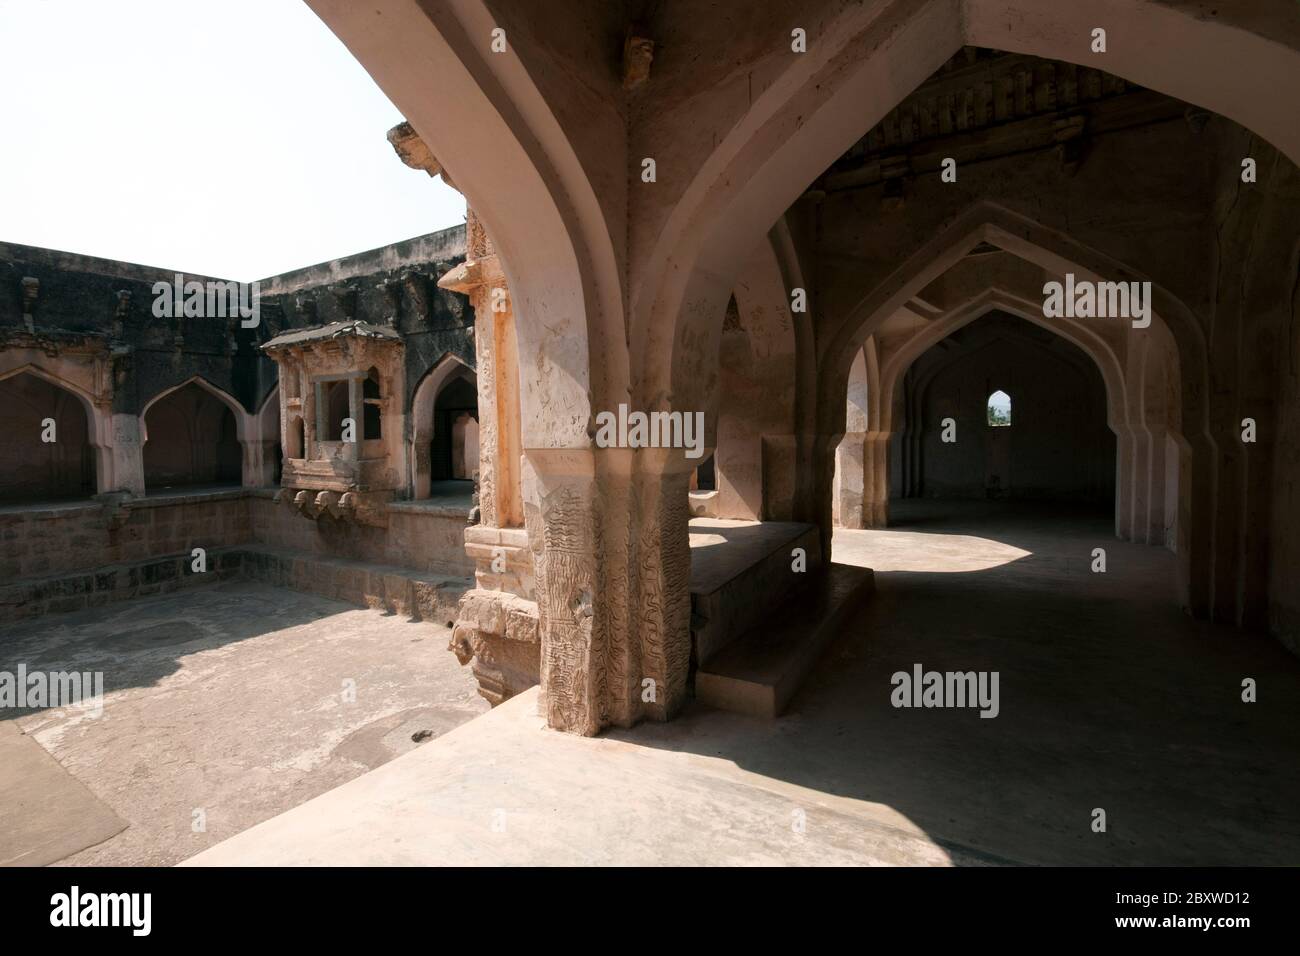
(243, 428)
(866, 60)
(99, 419)
(447, 368)
(34, 470)
(247, 428)
(493, 129)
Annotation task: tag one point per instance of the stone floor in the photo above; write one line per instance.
(227, 700)
(1110, 698)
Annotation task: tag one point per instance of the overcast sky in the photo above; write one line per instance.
(236, 139)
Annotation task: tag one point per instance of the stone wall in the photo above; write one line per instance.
(47, 541)
(395, 285)
(420, 536)
(59, 557)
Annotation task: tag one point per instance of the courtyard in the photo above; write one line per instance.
(944, 566)
(223, 706)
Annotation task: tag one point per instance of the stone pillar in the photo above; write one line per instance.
(352, 449)
(1156, 480)
(127, 456)
(1256, 519)
(614, 608)
(481, 278)
(850, 468)
(875, 480)
(1125, 452)
(498, 626)
(310, 424)
(1138, 505)
(259, 463)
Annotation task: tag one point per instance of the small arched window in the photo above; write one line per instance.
(999, 410)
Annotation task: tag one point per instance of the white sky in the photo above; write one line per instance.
(237, 139)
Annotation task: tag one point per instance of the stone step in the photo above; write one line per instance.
(760, 671)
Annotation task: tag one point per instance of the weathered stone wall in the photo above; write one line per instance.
(395, 285)
(421, 537)
(46, 541)
(71, 556)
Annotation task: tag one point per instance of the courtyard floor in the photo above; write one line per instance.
(1110, 699)
(223, 706)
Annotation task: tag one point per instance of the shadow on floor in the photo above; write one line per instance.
(1110, 698)
(139, 642)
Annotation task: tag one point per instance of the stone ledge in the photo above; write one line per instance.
(500, 613)
(507, 537)
(430, 506)
(182, 497)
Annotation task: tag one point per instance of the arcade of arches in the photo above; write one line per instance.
(767, 236)
(836, 255)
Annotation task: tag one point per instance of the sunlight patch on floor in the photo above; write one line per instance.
(915, 551)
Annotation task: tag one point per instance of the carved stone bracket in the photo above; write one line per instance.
(357, 507)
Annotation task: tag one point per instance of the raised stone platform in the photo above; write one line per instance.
(759, 673)
(740, 570)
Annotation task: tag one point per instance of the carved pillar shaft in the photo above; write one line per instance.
(509, 495)
(489, 422)
(608, 532)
